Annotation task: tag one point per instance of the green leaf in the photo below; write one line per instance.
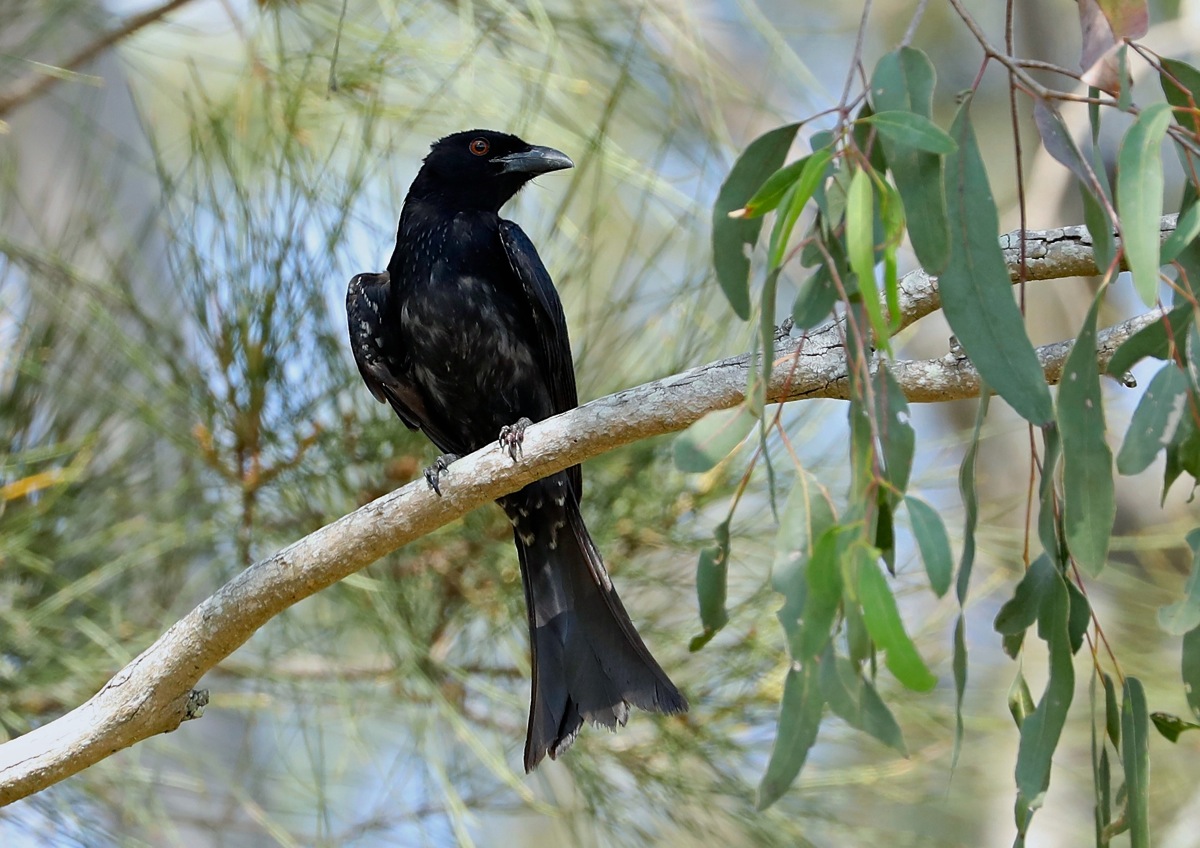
(976, 291)
(1101, 773)
(1188, 262)
(1081, 616)
(1183, 616)
(933, 543)
(896, 435)
(1060, 143)
(885, 626)
(756, 394)
(1125, 95)
(1171, 726)
(807, 514)
(1013, 643)
(1090, 506)
(1155, 421)
(1050, 530)
(1189, 670)
(1183, 451)
(732, 238)
(903, 82)
(1103, 780)
(1135, 755)
(1187, 227)
(772, 191)
(867, 140)
(814, 300)
(711, 573)
(1112, 713)
(1140, 196)
(708, 441)
(1020, 700)
(1192, 362)
(858, 639)
(1152, 340)
(970, 498)
(878, 721)
(824, 596)
(854, 700)
(885, 530)
(862, 438)
(1042, 730)
(1093, 186)
(1019, 612)
(860, 248)
(1181, 85)
(1100, 226)
(811, 176)
(891, 212)
(908, 129)
(959, 663)
(799, 721)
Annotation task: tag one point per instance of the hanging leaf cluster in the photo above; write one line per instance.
(889, 176)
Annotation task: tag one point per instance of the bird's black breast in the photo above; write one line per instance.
(466, 326)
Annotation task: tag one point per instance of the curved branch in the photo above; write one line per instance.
(1049, 255)
(154, 693)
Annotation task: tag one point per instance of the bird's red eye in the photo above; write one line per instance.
(480, 147)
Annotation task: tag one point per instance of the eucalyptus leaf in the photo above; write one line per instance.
(933, 542)
(1135, 756)
(976, 293)
(1140, 196)
(1089, 498)
(903, 81)
(1184, 615)
(732, 238)
(885, 626)
(799, 721)
(1042, 730)
(1155, 420)
(910, 130)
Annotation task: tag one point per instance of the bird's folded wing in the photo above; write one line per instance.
(549, 319)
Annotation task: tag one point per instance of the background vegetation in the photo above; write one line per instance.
(178, 216)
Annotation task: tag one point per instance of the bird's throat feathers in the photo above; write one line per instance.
(431, 189)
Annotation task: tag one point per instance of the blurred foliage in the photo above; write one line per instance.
(177, 222)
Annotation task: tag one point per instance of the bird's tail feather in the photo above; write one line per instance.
(588, 660)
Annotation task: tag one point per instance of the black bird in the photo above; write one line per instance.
(464, 335)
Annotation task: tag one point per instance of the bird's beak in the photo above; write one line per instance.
(535, 160)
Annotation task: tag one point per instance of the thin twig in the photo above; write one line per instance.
(37, 84)
(1025, 81)
(911, 32)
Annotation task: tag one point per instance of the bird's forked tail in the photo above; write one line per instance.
(588, 660)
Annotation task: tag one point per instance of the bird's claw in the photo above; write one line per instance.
(434, 472)
(512, 436)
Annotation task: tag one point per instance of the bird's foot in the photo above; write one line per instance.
(512, 436)
(433, 474)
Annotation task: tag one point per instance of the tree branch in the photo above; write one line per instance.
(1049, 255)
(36, 84)
(154, 694)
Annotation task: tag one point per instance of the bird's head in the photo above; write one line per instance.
(482, 169)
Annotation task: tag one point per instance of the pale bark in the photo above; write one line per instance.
(154, 693)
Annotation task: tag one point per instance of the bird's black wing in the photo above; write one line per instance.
(550, 322)
(366, 305)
